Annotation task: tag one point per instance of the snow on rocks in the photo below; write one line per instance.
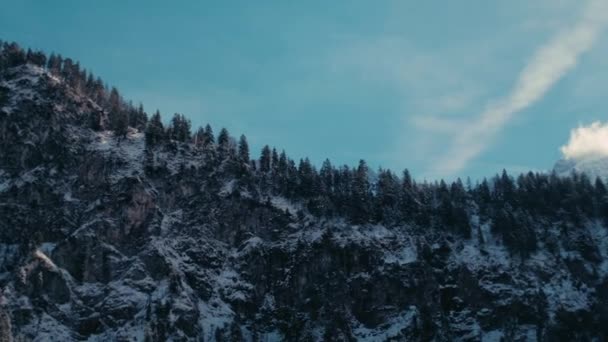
(127, 153)
(392, 329)
(21, 86)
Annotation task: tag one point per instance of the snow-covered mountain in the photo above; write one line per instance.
(105, 237)
(592, 166)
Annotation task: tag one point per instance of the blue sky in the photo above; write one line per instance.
(445, 89)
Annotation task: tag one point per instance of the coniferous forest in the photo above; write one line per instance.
(517, 209)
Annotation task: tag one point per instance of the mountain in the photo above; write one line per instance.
(592, 166)
(119, 227)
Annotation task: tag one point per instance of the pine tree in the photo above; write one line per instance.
(457, 192)
(291, 178)
(155, 130)
(15, 56)
(274, 161)
(119, 117)
(121, 124)
(138, 117)
(307, 176)
(223, 139)
(209, 137)
(199, 137)
(342, 189)
(2, 57)
(327, 177)
(361, 196)
(37, 58)
(180, 128)
(55, 64)
(504, 188)
(70, 72)
(243, 150)
(387, 197)
(283, 175)
(407, 196)
(265, 159)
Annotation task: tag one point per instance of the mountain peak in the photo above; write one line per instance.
(593, 166)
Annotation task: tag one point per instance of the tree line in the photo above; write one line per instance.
(511, 206)
(119, 114)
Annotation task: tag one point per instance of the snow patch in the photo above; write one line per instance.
(228, 188)
(389, 330)
(169, 220)
(127, 152)
(562, 293)
(284, 204)
(405, 255)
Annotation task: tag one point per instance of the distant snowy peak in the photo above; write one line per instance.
(593, 166)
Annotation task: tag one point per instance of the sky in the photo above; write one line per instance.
(445, 89)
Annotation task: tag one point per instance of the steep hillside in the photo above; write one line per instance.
(140, 232)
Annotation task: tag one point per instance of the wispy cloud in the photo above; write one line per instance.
(547, 66)
(586, 141)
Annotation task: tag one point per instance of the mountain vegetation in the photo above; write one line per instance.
(117, 225)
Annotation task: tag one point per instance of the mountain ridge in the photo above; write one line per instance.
(123, 229)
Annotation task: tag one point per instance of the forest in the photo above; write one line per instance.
(511, 204)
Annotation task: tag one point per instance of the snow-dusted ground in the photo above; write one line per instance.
(128, 152)
(23, 87)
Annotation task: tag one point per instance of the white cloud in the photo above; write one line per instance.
(587, 141)
(547, 66)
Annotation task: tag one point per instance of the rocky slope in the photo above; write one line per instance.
(102, 239)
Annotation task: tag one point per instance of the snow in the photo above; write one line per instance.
(67, 196)
(284, 204)
(27, 177)
(472, 256)
(122, 296)
(128, 152)
(22, 88)
(84, 229)
(269, 303)
(47, 328)
(361, 235)
(250, 245)
(215, 314)
(405, 255)
(563, 294)
(465, 325)
(309, 235)
(175, 161)
(389, 330)
(492, 336)
(599, 234)
(169, 220)
(227, 280)
(231, 287)
(228, 188)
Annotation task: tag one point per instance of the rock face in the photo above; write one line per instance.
(102, 239)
